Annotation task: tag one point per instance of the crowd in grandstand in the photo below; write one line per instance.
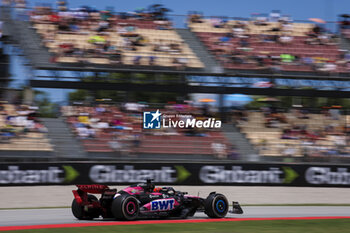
(345, 26)
(273, 132)
(20, 128)
(143, 37)
(146, 37)
(275, 44)
(106, 128)
(296, 132)
(17, 120)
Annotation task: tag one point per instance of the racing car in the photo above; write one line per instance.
(144, 200)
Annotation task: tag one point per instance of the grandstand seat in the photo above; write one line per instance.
(209, 34)
(149, 30)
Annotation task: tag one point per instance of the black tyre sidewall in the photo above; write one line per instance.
(119, 206)
(210, 206)
(77, 210)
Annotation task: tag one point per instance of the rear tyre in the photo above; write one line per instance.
(216, 205)
(80, 213)
(125, 207)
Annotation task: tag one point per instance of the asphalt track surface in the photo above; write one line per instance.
(21, 217)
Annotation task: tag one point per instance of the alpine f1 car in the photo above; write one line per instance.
(145, 201)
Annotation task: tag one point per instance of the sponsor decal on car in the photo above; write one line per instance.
(153, 196)
(133, 191)
(162, 204)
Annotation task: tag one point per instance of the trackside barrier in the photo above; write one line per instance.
(175, 174)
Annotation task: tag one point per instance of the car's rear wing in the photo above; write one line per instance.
(92, 188)
(81, 194)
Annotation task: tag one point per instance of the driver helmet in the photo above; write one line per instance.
(150, 187)
(157, 189)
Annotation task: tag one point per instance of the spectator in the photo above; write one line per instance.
(1, 23)
(218, 23)
(287, 27)
(244, 43)
(195, 18)
(287, 58)
(116, 57)
(233, 154)
(152, 60)
(285, 39)
(238, 30)
(328, 67)
(219, 150)
(137, 60)
(102, 26)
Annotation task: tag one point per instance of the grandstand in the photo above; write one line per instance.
(297, 133)
(4, 74)
(132, 41)
(213, 50)
(108, 130)
(344, 26)
(22, 134)
(276, 46)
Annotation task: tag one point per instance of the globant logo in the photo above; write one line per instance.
(156, 120)
(51, 174)
(328, 175)
(128, 173)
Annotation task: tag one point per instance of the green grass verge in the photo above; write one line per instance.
(280, 226)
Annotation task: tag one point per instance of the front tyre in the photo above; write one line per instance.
(125, 207)
(216, 205)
